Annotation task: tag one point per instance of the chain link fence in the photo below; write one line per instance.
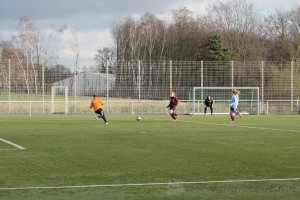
(141, 87)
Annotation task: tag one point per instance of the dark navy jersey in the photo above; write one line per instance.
(209, 102)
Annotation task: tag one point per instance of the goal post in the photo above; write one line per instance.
(248, 99)
(59, 100)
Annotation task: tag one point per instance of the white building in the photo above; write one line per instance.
(87, 83)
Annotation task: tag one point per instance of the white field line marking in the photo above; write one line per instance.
(8, 149)
(12, 144)
(242, 126)
(150, 184)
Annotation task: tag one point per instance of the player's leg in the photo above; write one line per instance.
(211, 110)
(172, 112)
(232, 114)
(103, 115)
(238, 113)
(175, 115)
(98, 114)
(205, 109)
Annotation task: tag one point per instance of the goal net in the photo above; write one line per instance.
(59, 100)
(248, 99)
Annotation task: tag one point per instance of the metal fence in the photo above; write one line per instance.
(142, 87)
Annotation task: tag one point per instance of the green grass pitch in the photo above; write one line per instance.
(82, 158)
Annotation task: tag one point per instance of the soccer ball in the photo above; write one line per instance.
(138, 119)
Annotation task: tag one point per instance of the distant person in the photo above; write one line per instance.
(172, 106)
(208, 103)
(234, 102)
(97, 104)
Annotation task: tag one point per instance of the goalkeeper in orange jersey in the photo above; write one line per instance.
(97, 104)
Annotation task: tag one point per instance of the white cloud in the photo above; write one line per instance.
(271, 5)
(88, 42)
(196, 6)
(92, 19)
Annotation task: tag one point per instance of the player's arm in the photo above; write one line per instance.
(233, 101)
(169, 104)
(101, 102)
(176, 101)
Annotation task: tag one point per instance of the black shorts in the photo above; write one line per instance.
(172, 108)
(99, 111)
(232, 109)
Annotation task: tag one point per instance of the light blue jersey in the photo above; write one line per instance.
(234, 102)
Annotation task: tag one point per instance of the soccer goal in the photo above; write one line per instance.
(59, 100)
(248, 99)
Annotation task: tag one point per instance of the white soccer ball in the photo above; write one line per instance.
(138, 119)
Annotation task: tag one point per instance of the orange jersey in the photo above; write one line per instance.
(96, 103)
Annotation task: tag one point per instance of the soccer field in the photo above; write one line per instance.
(196, 157)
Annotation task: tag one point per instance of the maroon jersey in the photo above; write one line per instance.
(173, 102)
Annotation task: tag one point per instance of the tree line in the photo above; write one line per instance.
(247, 33)
(231, 30)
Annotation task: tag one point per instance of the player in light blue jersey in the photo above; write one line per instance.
(234, 102)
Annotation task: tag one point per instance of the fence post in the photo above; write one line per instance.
(43, 86)
(30, 107)
(267, 107)
(171, 89)
(75, 86)
(107, 70)
(139, 79)
(232, 82)
(66, 101)
(292, 85)
(52, 100)
(262, 86)
(201, 82)
(201, 73)
(9, 85)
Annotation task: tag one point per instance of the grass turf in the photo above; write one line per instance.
(80, 151)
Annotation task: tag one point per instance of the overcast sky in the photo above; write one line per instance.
(92, 20)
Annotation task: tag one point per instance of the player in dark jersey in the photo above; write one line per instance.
(172, 106)
(208, 103)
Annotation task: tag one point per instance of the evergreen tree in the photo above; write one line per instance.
(215, 51)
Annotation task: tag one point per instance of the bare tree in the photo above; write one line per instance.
(149, 39)
(104, 57)
(238, 23)
(36, 48)
(276, 27)
(295, 34)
